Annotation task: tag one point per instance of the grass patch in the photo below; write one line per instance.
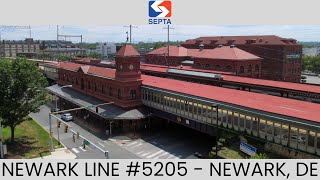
(31, 141)
(232, 152)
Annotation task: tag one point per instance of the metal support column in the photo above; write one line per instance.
(50, 133)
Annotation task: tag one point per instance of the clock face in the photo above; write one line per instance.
(131, 67)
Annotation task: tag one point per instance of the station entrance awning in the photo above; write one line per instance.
(108, 111)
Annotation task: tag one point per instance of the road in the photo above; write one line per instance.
(173, 142)
(313, 79)
(115, 152)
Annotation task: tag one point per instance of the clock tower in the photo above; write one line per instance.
(127, 63)
(128, 77)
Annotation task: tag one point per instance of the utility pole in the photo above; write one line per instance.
(57, 42)
(168, 40)
(130, 32)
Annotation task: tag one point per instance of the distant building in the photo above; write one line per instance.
(223, 58)
(53, 48)
(281, 57)
(27, 47)
(315, 51)
(106, 49)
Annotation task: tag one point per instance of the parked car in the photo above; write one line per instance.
(55, 109)
(67, 117)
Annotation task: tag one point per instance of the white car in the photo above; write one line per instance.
(67, 117)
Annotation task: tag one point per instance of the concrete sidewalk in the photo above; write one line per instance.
(62, 153)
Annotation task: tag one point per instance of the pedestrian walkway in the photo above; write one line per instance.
(156, 147)
(62, 153)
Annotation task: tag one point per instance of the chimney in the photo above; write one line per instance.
(201, 46)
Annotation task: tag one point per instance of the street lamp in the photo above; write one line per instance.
(50, 125)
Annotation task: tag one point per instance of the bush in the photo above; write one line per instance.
(212, 155)
(260, 156)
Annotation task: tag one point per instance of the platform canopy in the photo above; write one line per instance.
(109, 111)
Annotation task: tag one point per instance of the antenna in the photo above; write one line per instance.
(130, 30)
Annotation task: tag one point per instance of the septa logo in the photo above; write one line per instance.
(160, 8)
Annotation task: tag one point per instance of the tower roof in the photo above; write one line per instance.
(127, 50)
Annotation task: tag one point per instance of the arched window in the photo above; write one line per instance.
(241, 69)
(257, 67)
(103, 89)
(82, 84)
(250, 68)
(218, 67)
(228, 68)
(119, 94)
(110, 91)
(133, 94)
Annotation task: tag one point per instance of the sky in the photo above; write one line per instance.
(152, 33)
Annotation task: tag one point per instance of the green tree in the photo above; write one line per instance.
(311, 63)
(81, 55)
(94, 55)
(21, 91)
(63, 57)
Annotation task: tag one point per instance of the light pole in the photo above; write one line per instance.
(50, 123)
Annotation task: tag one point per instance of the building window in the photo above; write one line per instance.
(110, 91)
(198, 64)
(89, 85)
(250, 68)
(241, 69)
(119, 93)
(257, 68)
(133, 94)
(95, 87)
(207, 66)
(218, 67)
(82, 84)
(103, 89)
(77, 81)
(228, 68)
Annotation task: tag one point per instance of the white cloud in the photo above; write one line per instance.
(158, 33)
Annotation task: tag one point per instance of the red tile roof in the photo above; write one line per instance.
(161, 68)
(267, 103)
(228, 77)
(127, 50)
(266, 39)
(94, 70)
(225, 52)
(173, 51)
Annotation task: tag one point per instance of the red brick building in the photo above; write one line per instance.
(120, 85)
(223, 58)
(281, 57)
